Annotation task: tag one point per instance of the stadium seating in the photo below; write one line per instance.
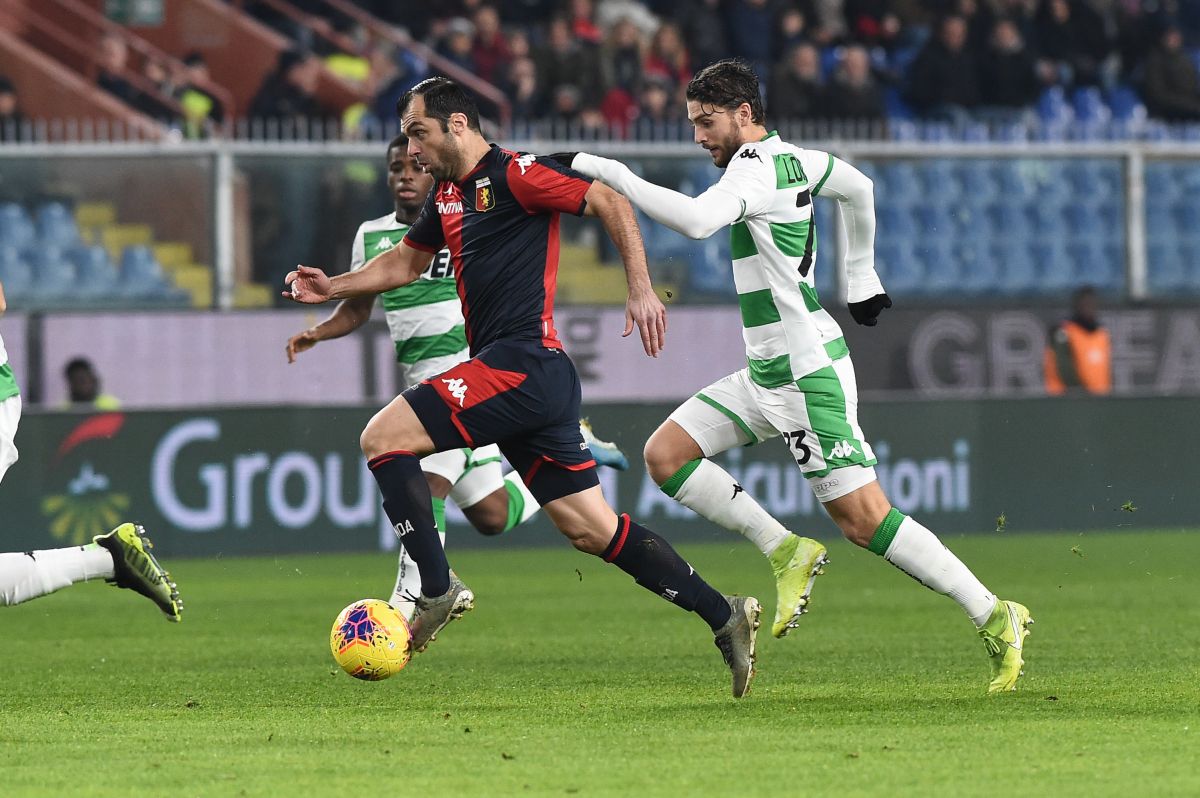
(15, 274)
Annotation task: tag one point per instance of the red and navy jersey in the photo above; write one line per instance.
(500, 224)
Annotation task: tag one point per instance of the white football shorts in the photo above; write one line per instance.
(10, 417)
(817, 417)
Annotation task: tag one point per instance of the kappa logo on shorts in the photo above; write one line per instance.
(457, 388)
(843, 449)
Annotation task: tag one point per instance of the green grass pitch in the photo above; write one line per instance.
(570, 680)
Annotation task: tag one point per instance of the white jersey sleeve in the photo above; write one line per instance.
(358, 255)
(855, 195)
(694, 217)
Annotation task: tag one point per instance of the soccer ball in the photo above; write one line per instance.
(370, 640)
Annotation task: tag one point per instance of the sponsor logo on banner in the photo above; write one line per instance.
(88, 504)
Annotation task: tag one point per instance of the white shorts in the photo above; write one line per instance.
(472, 474)
(10, 417)
(817, 417)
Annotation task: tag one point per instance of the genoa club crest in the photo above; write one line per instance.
(485, 197)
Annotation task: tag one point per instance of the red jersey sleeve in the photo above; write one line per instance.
(543, 185)
(426, 232)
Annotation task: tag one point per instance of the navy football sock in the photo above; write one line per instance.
(656, 566)
(409, 507)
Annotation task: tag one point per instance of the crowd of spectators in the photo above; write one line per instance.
(619, 67)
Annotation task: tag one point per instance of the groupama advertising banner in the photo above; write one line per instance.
(291, 479)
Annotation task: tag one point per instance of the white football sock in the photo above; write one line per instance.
(519, 492)
(710, 491)
(408, 583)
(27, 575)
(917, 551)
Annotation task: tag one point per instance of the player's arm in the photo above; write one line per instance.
(694, 217)
(643, 307)
(3, 300)
(400, 265)
(855, 195)
(348, 316)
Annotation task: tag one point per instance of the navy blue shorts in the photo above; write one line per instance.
(521, 396)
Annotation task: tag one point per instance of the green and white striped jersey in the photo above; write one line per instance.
(8, 382)
(424, 317)
(788, 334)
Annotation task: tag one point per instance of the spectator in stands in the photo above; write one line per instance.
(1073, 35)
(874, 22)
(201, 110)
(565, 106)
(654, 101)
(853, 94)
(288, 92)
(703, 29)
(521, 87)
(1010, 78)
(564, 60)
(395, 71)
(12, 121)
(791, 29)
(490, 52)
(943, 81)
(583, 22)
(1171, 84)
(1079, 354)
(83, 387)
(796, 86)
(458, 44)
(751, 26)
(622, 57)
(668, 56)
(113, 60)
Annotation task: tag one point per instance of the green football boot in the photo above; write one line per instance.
(796, 563)
(136, 569)
(1004, 636)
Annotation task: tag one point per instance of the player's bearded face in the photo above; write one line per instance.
(443, 156)
(716, 131)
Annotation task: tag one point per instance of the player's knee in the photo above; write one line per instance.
(490, 523)
(661, 461)
(584, 537)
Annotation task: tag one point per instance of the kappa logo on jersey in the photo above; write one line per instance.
(457, 388)
(384, 244)
(750, 154)
(843, 449)
(485, 197)
(525, 161)
(405, 528)
(736, 490)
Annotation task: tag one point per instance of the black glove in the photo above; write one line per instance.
(867, 312)
(564, 158)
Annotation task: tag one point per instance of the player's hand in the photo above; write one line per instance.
(646, 311)
(307, 285)
(867, 312)
(301, 342)
(564, 158)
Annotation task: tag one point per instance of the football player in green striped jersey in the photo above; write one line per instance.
(121, 557)
(426, 324)
(799, 382)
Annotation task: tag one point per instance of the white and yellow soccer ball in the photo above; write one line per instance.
(371, 640)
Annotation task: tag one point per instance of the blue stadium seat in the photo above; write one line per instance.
(1055, 267)
(940, 180)
(1125, 104)
(1097, 264)
(899, 268)
(893, 223)
(1053, 108)
(1189, 254)
(1187, 219)
(1013, 184)
(1166, 271)
(16, 228)
(54, 276)
(940, 266)
(1162, 183)
(97, 277)
(827, 234)
(901, 182)
(934, 218)
(1016, 269)
(15, 274)
(710, 271)
(977, 266)
(1010, 221)
(1047, 222)
(56, 225)
(976, 180)
(1086, 220)
(141, 276)
(1089, 105)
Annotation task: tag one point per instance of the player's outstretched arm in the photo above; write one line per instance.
(348, 316)
(643, 308)
(3, 300)
(855, 194)
(399, 266)
(694, 217)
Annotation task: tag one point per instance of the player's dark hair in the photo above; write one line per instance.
(727, 84)
(399, 141)
(443, 97)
